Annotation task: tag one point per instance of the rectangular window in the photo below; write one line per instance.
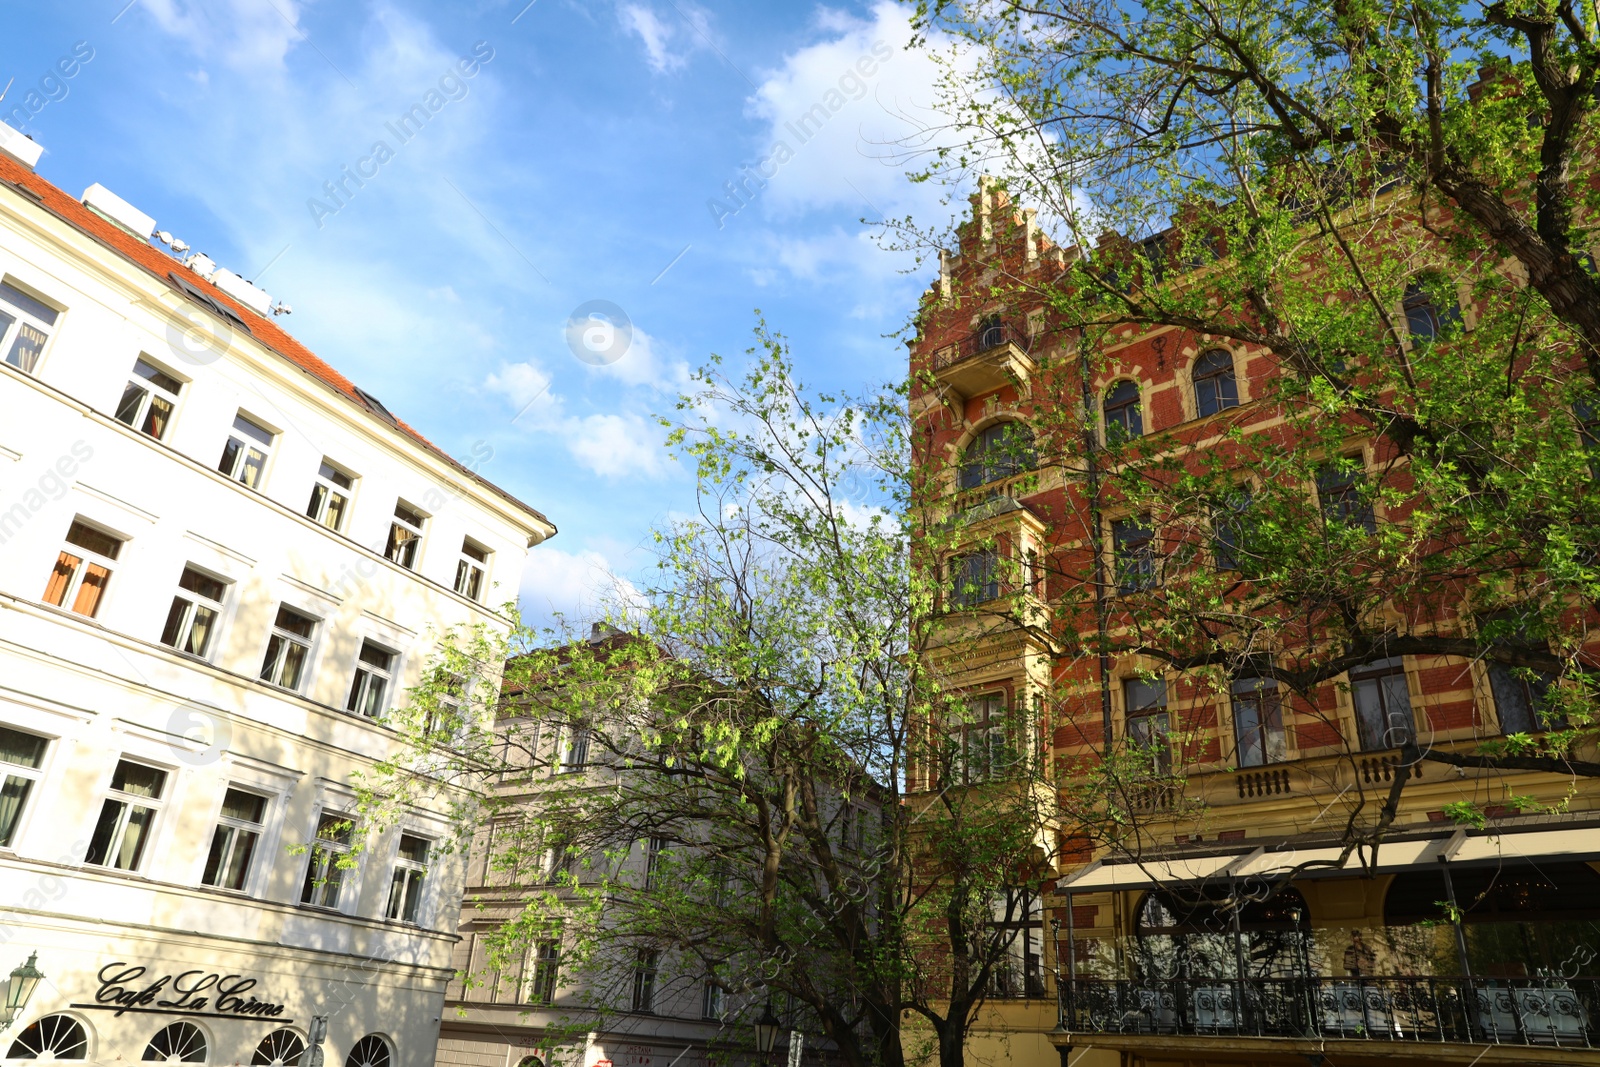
(1230, 530)
(148, 400)
(192, 619)
(330, 496)
(83, 569)
(711, 1000)
(1383, 704)
(1258, 722)
(324, 876)
(470, 569)
(546, 970)
(985, 738)
(369, 691)
(1133, 547)
(244, 457)
(405, 536)
(25, 326)
(405, 885)
(288, 649)
(975, 579)
(574, 747)
(233, 843)
(1145, 705)
(21, 757)
(1341, 492)
(127, 817)
(652, 862)
(644, 980)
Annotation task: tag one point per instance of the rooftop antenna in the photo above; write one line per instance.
(7, 89)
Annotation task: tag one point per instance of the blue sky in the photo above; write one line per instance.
(584, 159)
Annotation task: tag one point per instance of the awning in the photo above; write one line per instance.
(1534, 845)
(1103, 876)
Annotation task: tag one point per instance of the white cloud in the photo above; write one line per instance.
(669, 38)
(577, 586)
(643, 365)
(616, 446)
(247, 34)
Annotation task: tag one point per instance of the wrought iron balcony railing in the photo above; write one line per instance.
(985, 339)
(1506, 1011)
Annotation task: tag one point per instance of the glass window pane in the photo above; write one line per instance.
(13, 798)
(202, 583)
(230, 456)
(251, 430)
(237, 870)
(138, 780)
(105, 831)
(177, 618)
(216, 859)
(96, 541)
(200, 630)
(294, 661)
(10, 294)
(333, 519)
(55, 590)
(156, 419)
(21, 749)
(239, 804)
(255, 461)
(414, 849)
(26, 348)
(294, 622)
(149, 373)
(128, 408)
(134, 837)
(91, 590)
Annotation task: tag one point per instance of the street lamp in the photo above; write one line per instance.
(767, 1028)
(19, 988)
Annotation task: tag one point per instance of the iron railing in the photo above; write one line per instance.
(981, 340)
(1506, 1011)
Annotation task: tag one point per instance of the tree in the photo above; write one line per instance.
(740, 778)
(1394, 205)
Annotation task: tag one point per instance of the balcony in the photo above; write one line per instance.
(991, 357)
(1546, 1012)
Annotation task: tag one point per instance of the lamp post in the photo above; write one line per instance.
(19, 988)
(767, 1028)
(1297, 916)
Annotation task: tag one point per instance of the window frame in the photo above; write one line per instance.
(409, 877)
(238, 446)
(1380, 673)
(1139, 725)
(195, 601)
(573, 740)
(30, 776)
(150, 391)
(1001, 450)
(1271, 733)
(236, 828)
(15, 317)
(129, 802)
(398, 545)
(322, 860)
(325, 488)
(646, 972)
(971, 588)
(307, 643)
(469, 566)
(1133, 541)
(976, 736)
(1418, 308)
(1214, 376)
(88, 558)
(1126, 413)
(1338, 490)
(545, 979)
(367, 675)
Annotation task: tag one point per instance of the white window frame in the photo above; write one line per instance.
(239, 827)
(322, 856)
(546, 978)
(325, 488)
(149, 391)
(129, 801)
(15, 316)
(400, 550)
(274, 667)
(246, 442)
(10, 772)
(86, 558)
(409, 874)
(195, 601)
(367, 675)
(572, 740)
(472, 571)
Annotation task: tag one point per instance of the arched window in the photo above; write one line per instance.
(530, 1061)
(281, 1048)
(999, 451)
(1426, 317)
(1123, 417)
(53, 1037)
(176, 1043)
(1214, 385)
(370, 1051)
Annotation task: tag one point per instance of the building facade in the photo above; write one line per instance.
(1350, 957)
(220, 565)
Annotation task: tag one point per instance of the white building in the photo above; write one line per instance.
(219, 566)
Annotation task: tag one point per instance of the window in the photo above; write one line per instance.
(1133, 548)
(1000, 451)
(370, 689)
(1383, 704)
(1230, 529)
(21, 757)
(975, 579)
(1145, 706)
(644, 980)
(546, 969)
(148, 400)
(1124, 420)
(25, 326)
(991, 333)
(984, 738)
(370, 1051)
(83, 569)
(176, 1043)
(52, 1037)
(330, 496)
(192, 619)
(127, 818)
(557, 861)
(711, 1000)
(652, 862)
(324, 876)
(1342, 494)
(244, 457)
(1214, 386)
(1424, 318)
(281, 1048)
(470, 569)
(405, 535)
(405, 885)
(1258, 722)
(233, 843)
(288, 649)
(574, 747)
(1519, 698)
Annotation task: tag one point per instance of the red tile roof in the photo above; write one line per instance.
(263, 328)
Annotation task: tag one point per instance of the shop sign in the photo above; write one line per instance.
(127, 987)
